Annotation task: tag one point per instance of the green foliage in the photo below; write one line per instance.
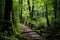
(38, 19)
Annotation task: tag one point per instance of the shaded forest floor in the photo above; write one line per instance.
(30, 34)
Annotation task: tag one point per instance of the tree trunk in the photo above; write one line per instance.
(29, 8)
(55, 11)
(21, 2)
(47, 16)
(2, 6)
(7, 24)
(32, 9)
(32, 12)
(55, 8)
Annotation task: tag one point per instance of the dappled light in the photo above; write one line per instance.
(29, 19)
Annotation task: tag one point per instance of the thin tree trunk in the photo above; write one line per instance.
(29, 8)
(47, 16)
(46, 5)
(21, 9)
(32, 9)
(55, 11)
(55, 8)
(32, 12)
(21, 2)
(13, 16)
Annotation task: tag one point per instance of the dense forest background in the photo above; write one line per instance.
(42, 16)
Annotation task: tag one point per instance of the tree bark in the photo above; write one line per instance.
(7, 24)
(32, 9)
(55, 8)
(29, 7)
(21, 2)
(47, 16)
(32, 12)
(2, 6)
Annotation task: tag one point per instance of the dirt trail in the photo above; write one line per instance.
(30, 34)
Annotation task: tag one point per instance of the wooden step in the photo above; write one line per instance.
(35, 35)
(32, 33)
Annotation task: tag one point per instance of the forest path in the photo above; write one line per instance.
(30, 34)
